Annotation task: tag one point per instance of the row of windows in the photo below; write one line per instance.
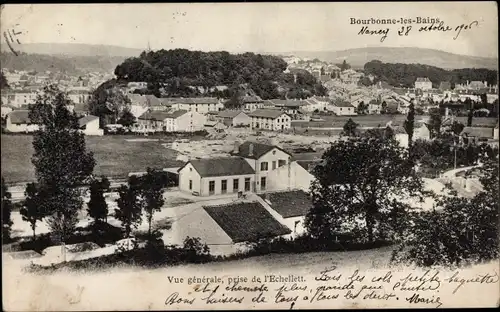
(236, 185)
(264, 166)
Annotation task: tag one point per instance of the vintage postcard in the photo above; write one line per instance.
(218, 156)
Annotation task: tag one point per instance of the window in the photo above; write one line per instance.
(281, 162)
(236, 186)
(263, 183)
(190, 184)
(263, 166)
(247, 184)
(211, 187)
(274, 164)
(223, 186)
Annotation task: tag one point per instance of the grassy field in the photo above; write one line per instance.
(115, 156)
(382, 120)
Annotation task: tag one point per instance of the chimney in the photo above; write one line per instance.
(236, 148)
(250, 150)
(486, 84)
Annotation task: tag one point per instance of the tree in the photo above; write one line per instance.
(6, 210)
(344, 66)
(434, 124)
(116, 102)
(105, 184)
(32, 211)
(127, 119)
(3, 81)
(409, 124)
(464, 230)
(97, 208)
(151, 194)
(360, 187)
(61, 161)
(362, 108)
(383, 107)
(457, 128)
(129, 205)
(470, 114)
(350, 128)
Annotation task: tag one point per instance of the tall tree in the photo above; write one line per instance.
(470, 114)
(116, 102)
(97, 208)
(435, 122)
(362, 108)
(350, 128)
(151, 195)
(61, 161)
(6, 210)
(32, 211)
(3, 81)
(129, 205)
(363, 178)
(127, 119)
(409, 124)
(457, 128)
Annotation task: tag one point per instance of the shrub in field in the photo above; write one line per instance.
(463, 231)
(195, 248)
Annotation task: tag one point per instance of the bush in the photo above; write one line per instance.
(465, 231)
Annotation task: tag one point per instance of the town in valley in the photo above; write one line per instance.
(176, 155)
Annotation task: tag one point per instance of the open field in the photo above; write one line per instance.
(382, 120)
(115, 156)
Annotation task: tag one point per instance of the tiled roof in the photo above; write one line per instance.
(229, 113)
(205, 100)
(342, 104)
(420, 79)
(290, 203)
(479, 132)
(246, 221)
(252, 99)
(288, 103)
(160, 116)
(152, 100)
(154, 115)
(18, 117)
(266, 113)
(259, 149)
(218, 167)
(86, 119)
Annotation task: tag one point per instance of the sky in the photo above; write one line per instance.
(255, 27)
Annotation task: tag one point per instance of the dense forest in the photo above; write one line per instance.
(71, 65)
(175, 71)
(404, 75)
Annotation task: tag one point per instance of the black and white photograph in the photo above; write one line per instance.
(249, 155)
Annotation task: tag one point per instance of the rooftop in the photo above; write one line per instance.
(267, 113)
(229, 113)
(289, 203)
(259, 149)
(246, 221)
(216, 167)
(86, 119)
(19, 117)
(160, 116)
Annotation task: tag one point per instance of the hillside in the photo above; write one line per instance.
(74, 49)
(180, 68)
(358, 57)
(399, 74)
(67, 64)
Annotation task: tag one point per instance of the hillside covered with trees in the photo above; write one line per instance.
(404, 75)
(71, 65)
(177, 70)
